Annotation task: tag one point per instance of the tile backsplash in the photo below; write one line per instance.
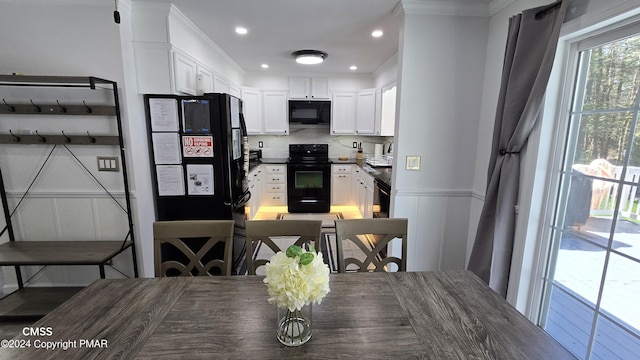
(277, 146)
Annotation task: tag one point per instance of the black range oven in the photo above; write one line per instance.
(309, 178)
(381, 199)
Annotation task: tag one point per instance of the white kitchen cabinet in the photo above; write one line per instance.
(220, 84)
(204, 80)
(193, 78)
(254, 181)
(184, 74)
(252, 110)
(362, 190)
(388, 110)
(274, 185)
(341, 184)
(355, 185)
(343, 108)
(275, 112)
(309, 88)
(368, 198)
(366, 112)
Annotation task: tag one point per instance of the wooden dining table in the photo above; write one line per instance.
(404, 315)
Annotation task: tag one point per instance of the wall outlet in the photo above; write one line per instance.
(355, 144)
(260, 144)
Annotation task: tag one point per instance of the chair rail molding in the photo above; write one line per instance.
(440, 193)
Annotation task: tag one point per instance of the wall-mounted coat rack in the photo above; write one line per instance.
(56, 109)
(62, 138)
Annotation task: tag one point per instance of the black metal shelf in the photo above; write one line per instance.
(53, 81)
(23, 252)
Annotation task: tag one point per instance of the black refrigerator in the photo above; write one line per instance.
(199, 153)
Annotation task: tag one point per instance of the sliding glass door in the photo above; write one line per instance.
(592, 284)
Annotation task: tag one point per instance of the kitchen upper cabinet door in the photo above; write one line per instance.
(309, 88)
(251, 110)
(388, 110)
(204, 82)
(320, 88)
(343, 113)
(299, 87)
(366, 113)
(274, 112)
(220, 84)
(184, 74)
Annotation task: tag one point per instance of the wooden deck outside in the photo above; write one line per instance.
(577, 280)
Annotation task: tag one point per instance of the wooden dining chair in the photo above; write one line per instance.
(264, 238)
(370, 239)
(193, 247)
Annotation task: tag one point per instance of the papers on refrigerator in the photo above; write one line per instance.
(170, 180)
(200, 179)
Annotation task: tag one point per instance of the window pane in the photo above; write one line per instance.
(627, 236)
(602, 136)
(569, 321)
(613, 342)
(621, 294)
(578, 207)
(614, 75)
(579, 265)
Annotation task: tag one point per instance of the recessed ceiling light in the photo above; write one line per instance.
(353, 67)
(377, 33)
(309, 57)
(265, 66)
(241, 30)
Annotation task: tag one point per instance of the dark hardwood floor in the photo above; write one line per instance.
(9, 329)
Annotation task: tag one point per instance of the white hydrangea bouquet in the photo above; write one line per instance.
(295, 279)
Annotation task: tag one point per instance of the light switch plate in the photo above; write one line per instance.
(413, 162)
(108, 163)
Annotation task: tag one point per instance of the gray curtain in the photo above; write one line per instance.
(531, 46)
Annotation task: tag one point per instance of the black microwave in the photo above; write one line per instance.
(309, 112)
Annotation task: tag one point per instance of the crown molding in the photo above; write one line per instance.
(179, 16)
(495, 6)
(480, 8)
(446, 7)
(104, 3)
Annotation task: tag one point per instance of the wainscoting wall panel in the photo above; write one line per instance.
(438, 228)
(87, 216)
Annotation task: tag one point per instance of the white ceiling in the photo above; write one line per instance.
(342, 28)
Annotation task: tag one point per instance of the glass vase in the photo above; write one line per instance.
(294, 327)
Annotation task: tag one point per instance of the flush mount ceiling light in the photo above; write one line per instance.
(309, 57)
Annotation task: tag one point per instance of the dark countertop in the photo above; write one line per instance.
(381, 173)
